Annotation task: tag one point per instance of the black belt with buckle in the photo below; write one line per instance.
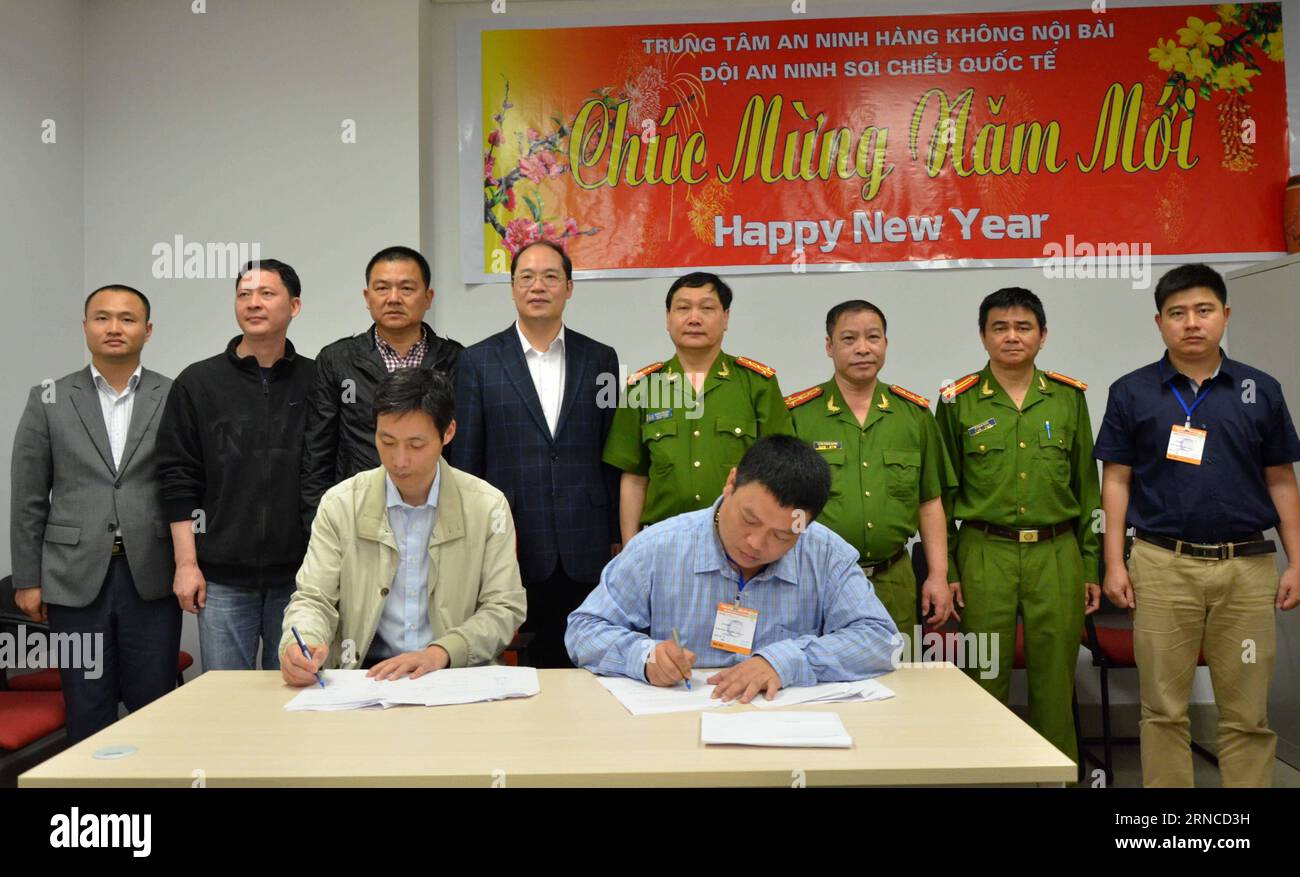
(119, 548)
(871, 569)
(1257, 544)
(1036, 534)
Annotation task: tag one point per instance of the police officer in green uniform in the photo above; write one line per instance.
(889, 469)
(686, 422)
(1028, 498)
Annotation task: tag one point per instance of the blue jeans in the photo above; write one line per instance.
(234, 620)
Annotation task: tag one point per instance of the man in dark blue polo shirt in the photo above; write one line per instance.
(1197, 451)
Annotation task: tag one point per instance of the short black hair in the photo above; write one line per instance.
(287, 275)
(1186, 277)
(696, 279)
(417, 389)
(400, 254)
(1012, 297)
(119, 287)
(790, 469)
(550, 245)
(853, 306)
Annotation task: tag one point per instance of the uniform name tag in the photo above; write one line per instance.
(980, 427)
(659, 415)
(827, 446)
(1186, 445)
(733, 628)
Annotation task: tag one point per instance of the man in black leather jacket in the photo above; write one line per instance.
(340, 432)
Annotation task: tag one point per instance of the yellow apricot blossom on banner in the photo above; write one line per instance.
(1200, 35)
(1229, 13)
(1167, 54)
(1273, 45)
(1195, 65)
(1234, 76)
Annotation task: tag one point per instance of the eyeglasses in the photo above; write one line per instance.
(550, 279)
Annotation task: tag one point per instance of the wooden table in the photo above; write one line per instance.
(231, 729)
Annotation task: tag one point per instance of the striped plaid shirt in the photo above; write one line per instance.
(819, 619)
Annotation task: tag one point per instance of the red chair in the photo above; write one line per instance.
(27, 717)
(1112, 649)
(48, 680)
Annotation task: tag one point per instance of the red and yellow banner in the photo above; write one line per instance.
(989, 138)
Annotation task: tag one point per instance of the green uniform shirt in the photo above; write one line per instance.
(1022, 468)
(687, 442)
(881, 472)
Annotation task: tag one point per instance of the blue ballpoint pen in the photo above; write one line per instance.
(677, 641)
(306, 652)
(1049, 430)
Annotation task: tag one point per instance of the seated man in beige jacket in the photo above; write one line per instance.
(411, 567)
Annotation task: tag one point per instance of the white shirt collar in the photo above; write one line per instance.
(102, 383)
(557, 346)
(394, 496)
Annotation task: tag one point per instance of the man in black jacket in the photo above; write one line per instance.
(229, 450)
(340, 436)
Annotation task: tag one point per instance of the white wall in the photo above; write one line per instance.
(40, 223)
(227, 127)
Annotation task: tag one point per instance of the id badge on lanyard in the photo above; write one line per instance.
(734, 625)
(1186, 443)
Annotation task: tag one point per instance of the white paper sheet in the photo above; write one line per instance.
(644, 699)
(826, 692)
(351, 689)
(783, 729)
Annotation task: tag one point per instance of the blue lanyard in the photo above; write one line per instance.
(1179, 396)
(740, 575)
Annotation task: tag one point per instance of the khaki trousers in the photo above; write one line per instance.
(1226, 608)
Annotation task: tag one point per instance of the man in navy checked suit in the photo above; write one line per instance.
(528, 421)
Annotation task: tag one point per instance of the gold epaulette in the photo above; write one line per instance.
(794, 400)
(953, 390)
(648, 370)
(910, 396)
(765, 370)
(1067, 380)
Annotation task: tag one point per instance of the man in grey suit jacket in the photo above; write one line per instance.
(92, 551)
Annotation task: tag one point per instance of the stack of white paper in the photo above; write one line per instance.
(775, 729)
(827, 692)
(644, 699)
(351, 689)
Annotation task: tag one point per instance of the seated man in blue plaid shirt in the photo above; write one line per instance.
(751, 585)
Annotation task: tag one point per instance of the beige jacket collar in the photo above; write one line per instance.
(372, 520)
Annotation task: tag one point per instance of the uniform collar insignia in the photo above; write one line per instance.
(830, 404)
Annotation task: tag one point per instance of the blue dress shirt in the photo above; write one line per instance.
(404, 625)
(819, 619)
